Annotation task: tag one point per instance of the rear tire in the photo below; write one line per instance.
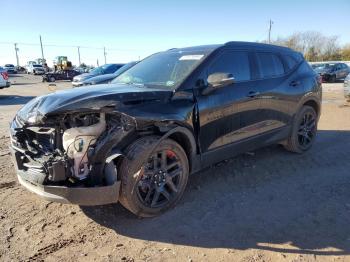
(153, 182)
(303, 131)
(52, 79)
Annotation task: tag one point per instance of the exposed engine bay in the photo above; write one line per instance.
(70, 149)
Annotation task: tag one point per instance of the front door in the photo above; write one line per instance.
(229, 114)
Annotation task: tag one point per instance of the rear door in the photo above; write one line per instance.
(279, 89)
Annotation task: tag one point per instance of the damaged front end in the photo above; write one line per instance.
(68, 157)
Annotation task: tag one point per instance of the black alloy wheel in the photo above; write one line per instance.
(160, 179)
(307, 130)
(303, 131)
(153, 176)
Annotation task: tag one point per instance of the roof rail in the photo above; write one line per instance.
(228, 43)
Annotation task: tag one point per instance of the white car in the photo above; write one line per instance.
(4, 78)
(35, 69)
(347, 87)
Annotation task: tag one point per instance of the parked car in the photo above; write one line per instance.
(35, 69)
(101, 70)
(174, 113)
(60, 75)
(347, 88)
(104, 79)
(10, 68)
(331, 72)
(4, 78)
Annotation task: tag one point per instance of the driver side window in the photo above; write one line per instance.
(234, 62)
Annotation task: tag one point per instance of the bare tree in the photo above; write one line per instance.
(314, 45)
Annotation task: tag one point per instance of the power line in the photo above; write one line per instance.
(72, 46)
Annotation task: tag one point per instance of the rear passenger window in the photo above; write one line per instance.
(270, 65)
(290, 62)
(234, 62)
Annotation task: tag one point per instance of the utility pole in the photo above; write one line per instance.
(16, 50)
(105, 54)
(79, 55)
(42, 50)
(270, 27)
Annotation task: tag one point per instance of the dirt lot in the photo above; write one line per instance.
(269, 205)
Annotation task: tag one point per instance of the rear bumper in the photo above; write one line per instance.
(5, 84)
(84, 196)
(35, 72)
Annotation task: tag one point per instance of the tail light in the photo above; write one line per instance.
(319, 79)
(5, 75)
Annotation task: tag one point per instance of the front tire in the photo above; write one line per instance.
(303, 131)
(153, 182)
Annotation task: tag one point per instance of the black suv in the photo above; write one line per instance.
(173, 114)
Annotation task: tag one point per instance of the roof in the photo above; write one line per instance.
(207, 48)
(235, 44)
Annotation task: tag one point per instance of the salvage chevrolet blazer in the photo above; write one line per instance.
(176, 112)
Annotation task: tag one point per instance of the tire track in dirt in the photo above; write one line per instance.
(42, 253)
(8, 184)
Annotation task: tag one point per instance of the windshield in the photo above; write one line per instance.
(323, 66)
(37, 65)
(122, 70)
(165, 70)
(100, 70)
(9, 65)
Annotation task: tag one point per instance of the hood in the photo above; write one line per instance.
(90, 98)
(101, 78)
(83, 77)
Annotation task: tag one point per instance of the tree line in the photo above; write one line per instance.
(315, 46)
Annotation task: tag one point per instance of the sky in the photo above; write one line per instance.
(134, 29)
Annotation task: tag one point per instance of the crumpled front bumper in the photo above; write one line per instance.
(32, 179)
(83, 196)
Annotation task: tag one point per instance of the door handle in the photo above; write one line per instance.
(294, 83)
(252, 94)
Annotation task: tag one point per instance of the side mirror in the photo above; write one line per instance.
(218, 80)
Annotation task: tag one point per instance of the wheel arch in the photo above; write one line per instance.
(186, 140)
(182, 135)
(313, 101)
(313, 104)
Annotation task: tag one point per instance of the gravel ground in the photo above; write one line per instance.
(268, 205)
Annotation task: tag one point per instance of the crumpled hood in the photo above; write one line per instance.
(101, 78)
(92, 98)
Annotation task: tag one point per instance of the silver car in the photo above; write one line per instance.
(347, 88)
